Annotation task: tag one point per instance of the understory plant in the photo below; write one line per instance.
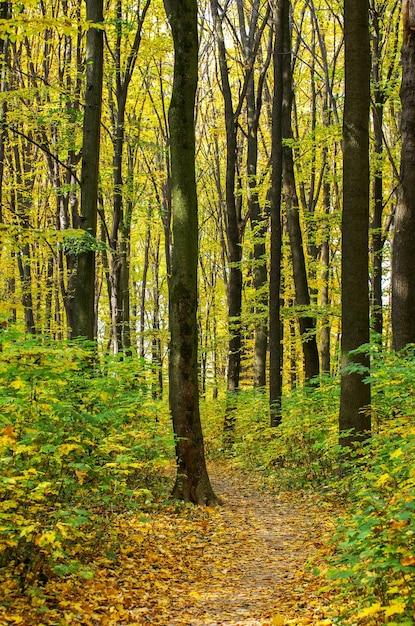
(300, 453)
(80, 440)
(374, 558)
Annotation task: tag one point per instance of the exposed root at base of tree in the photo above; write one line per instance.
(246, 563)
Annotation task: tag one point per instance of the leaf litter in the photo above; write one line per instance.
(253, 562)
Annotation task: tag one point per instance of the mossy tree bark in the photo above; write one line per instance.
(192, 481)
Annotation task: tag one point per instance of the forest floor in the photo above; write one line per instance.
(250, 562)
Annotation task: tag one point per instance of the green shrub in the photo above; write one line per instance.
(78, 442)
(375, 542)
(374, 560)
(301, 452)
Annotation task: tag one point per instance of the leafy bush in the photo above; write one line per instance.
(374, 561)
(301, 452)
(375, 542)
(78, 441)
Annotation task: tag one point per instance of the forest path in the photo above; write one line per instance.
(271, 542)
(244, 563)
(241, 564)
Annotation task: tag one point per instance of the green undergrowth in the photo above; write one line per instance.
(80, 441)
(374, 559)
(300, 453)
(83, 440)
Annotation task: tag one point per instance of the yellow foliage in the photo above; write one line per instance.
(370, 610)
(395, 608)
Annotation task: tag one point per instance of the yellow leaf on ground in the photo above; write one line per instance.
(370, 610)
(395, 608)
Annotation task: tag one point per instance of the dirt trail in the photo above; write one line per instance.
(267, 541)
(240, 564)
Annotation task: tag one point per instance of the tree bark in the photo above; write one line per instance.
(275, 331)
(192, 480)
(403, 275)
(250, 34)
(354, 419)
(83, 314)
(385, 57)
(306, 321)
(234, 232)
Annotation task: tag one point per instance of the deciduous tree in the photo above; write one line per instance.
(403, 275)
(354, 420)
(82, 311)
(192, 481)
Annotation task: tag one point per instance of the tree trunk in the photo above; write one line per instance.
(143, 294)
(121, 218)
(21, 203)
(325, 277)
(249, 35)
(275, 328)
(403, 274)
(156, 355)
(233, 236)
(83, 313)
(377, 234)
(192, 481)
(306, 322)
(354, 419)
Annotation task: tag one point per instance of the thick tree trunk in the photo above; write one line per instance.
(192, 481)
(403, 274)
(83, 313)
(354, 419)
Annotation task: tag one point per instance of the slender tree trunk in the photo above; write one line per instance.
(325, 275)
(377, 235)
(403, 274)
(306, 322)
(143, 293)
(192, 481)
(120, 231)
(20, 202)
(249, 33)
(275, 328)
(354, 419)
(4, 69)
(83, 313)
(233, 236)
(156, 356)
(5, 13)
